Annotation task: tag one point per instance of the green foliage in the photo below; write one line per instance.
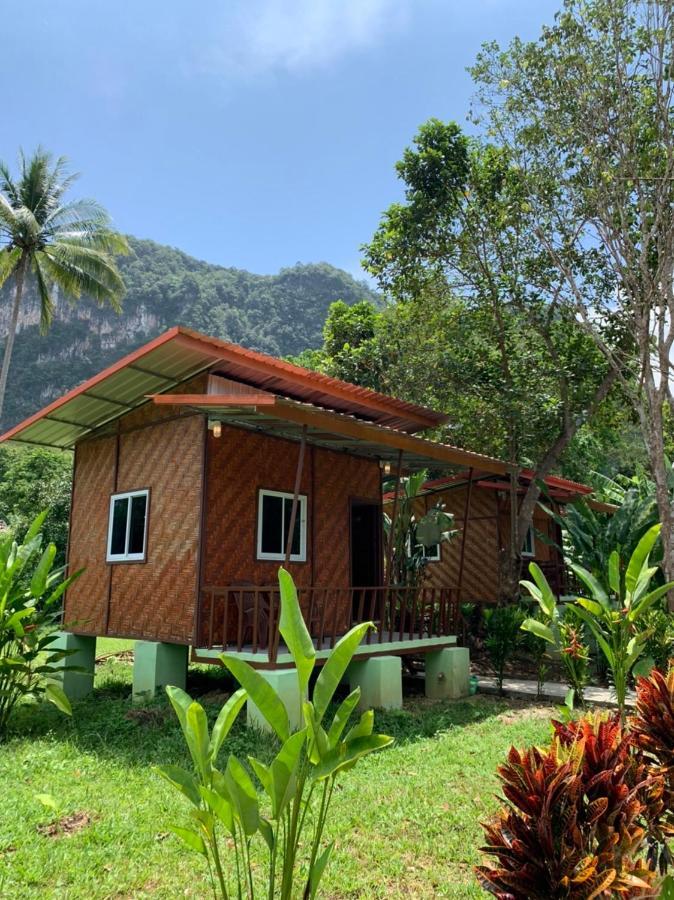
(551, 626)
(659, 626)
(30, 594)
(464, 238)
(280, 314)
(536, 649)
(413, 534)
(69, 245)
(32, 480)
(572, 822)
(503, 624)
(298, 782)
(586, 112)
(616, 617)
(592, 536)
(106, 749)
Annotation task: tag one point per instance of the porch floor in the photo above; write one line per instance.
(379, 645)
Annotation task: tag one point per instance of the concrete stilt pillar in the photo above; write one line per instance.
(448, 673)
(83, 655)
(155, 665)
(380, 681)
(284, 682)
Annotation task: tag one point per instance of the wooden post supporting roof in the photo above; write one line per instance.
(394, 519)
(296, 495)
(466, 516)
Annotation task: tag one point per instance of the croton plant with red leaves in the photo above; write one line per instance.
(652, 734)
(573, 823)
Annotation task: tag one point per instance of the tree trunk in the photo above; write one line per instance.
(524, 518)
(652, 427)
(11, 331)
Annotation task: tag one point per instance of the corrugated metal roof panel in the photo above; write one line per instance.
(177, 355)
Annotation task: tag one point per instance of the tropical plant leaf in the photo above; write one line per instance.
(318, 868)
(190, 838)
(261, 693)
(56, 695)
(332, 672)
(242, 795)
(348, 752)
(182, 781)
(592, 583)
(294, 631)
(224, 722)
(639, 558)
(533, 626)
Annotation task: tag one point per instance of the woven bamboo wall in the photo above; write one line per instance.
(488, 531)
(155, 599)
(86, 601)
(238, 464)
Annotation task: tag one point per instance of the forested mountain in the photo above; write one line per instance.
(281, 314)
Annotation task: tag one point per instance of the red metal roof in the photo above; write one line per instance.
(178, 355)
(560, 488)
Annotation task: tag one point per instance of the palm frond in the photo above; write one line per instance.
(8, 221)
(59, 181)
(7, 185)
(9, 258)
(33, 186)
(102, 240)
(28, 228)
(78, 270)
(75, 212)
(44, 293)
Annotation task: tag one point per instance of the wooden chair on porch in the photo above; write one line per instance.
(252, 605)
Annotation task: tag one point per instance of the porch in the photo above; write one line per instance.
(244, 619)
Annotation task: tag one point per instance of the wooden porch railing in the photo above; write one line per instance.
(246, 618)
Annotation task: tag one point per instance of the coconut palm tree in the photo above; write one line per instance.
(66, 245)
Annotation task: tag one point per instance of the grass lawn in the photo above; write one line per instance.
(405, 820)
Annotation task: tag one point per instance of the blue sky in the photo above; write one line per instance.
(251, 133)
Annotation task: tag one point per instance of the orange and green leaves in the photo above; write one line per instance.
(571, 826)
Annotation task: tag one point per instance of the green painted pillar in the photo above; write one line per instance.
(448, 673)
(380, 680)
(284, 682)
(83, 655)
(155, 665)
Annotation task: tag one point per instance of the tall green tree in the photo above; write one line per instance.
(465, 229)
(586, 112)
(69, 245)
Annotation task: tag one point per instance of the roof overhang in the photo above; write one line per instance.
(554, 487)
(287, 418)
(178, 355)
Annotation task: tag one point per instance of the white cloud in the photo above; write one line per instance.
(294, 35)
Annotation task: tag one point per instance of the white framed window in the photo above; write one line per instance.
(127, 526)
(431, 554)
(274, 511)
(529, 548)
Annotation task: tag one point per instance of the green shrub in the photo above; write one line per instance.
(659, 646)
(30, 595)
(299, 783)
(33, 479)
(503, 624)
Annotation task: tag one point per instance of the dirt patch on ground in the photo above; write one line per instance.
(216, 697)
(65, 826)
(527, 711)
(122, 656)
(152, 717)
